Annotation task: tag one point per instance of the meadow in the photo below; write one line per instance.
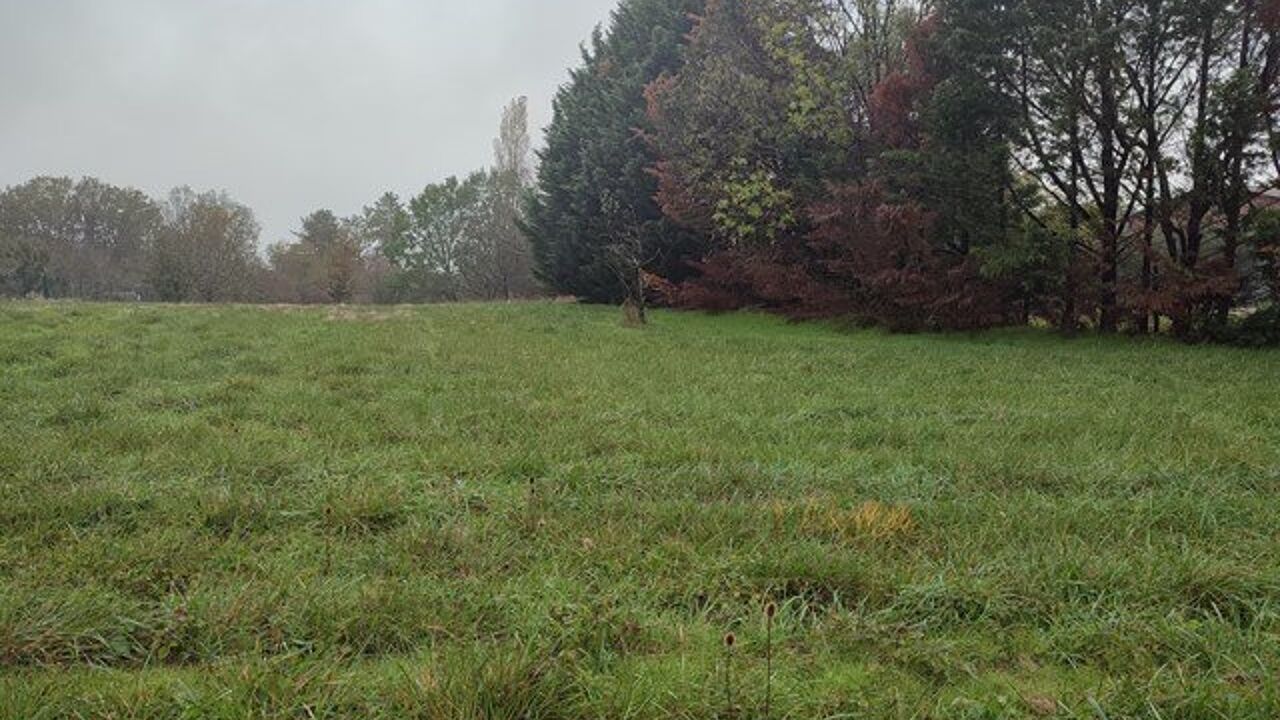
(529, 511)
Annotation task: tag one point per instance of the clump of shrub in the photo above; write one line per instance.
(1258, 330)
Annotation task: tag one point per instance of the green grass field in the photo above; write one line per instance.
(529, 511)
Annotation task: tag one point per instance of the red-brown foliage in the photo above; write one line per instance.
(892, 111)
(894, 103)
(776, 281)
(676, 195)
(1269, 13)
(881, 252)
(1185, 295)
(867, 258)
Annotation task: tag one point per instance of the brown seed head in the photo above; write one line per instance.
(729, 640)
(770, 609)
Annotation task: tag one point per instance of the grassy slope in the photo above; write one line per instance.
(513, 511)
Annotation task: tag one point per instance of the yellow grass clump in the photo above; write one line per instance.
(871, 520)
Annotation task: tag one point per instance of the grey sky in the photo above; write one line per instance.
(289, 105)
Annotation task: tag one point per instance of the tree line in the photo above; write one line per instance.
(953, 164)
(915, 164)
(456, 240)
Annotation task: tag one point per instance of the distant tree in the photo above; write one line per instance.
(83, 238)
(439, 224)
(326, 263)
(498, 263)
(292, 278)
(117, 228)
(379, 226)
(511, 149)
(460, 238)
(206, 251)
(385, 224)
(38, 236)
(596, 153)
(24, 266)
(336, 249)
(321, 229)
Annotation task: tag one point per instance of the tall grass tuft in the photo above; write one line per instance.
(770, 611)
(729, 641)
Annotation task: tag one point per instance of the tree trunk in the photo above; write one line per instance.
(633, 313)
(1070, 311)
(1236, 191)
(1108, 122)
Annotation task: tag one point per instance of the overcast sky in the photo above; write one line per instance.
(288, 105)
